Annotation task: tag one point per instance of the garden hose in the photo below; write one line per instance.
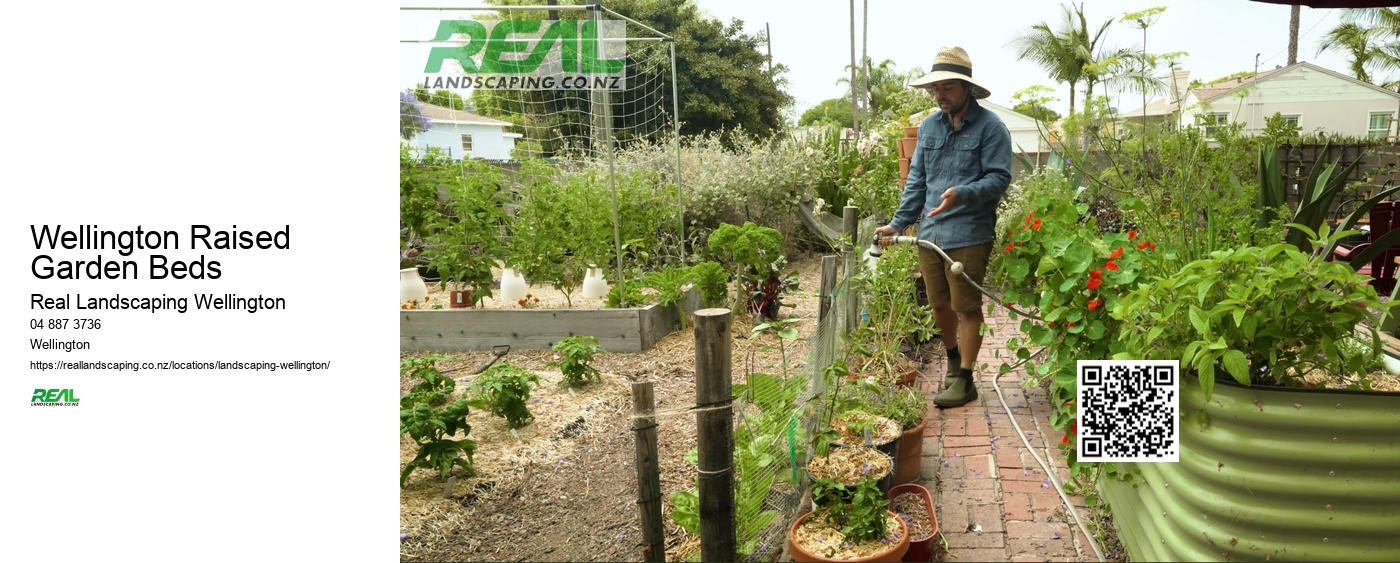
(954, 266)
(957, 268)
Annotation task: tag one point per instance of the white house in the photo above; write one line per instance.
(1026, 137)
(464, 134)
(1318, 100)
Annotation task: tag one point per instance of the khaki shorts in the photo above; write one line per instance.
(945, 288)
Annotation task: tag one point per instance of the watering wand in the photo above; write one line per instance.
(954, 266)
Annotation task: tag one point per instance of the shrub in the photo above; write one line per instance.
(576, 359)
(504, 389)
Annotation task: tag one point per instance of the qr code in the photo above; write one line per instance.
(1127, 411)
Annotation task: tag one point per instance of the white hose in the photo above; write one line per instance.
(957, 268)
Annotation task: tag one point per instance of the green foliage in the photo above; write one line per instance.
(576, 354)
(1262, 315)
(713, 282)
(559, 227)
(503, 390)
(756, 253)
(751, 247)
(1278, 130)
(685, 510)
(670, 285)
(859, 513)
(465, 242)
(1073, 276)
(427, 417)
(623, 295)
(890, 299)
(834, 112)
(419, 179)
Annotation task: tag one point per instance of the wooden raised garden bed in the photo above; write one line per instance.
(617, 330)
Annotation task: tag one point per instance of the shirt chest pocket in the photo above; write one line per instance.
(967, 154)
(935, 159)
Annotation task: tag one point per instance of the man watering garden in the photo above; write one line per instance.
(957, 176)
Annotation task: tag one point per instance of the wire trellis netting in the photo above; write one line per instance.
(601, 83)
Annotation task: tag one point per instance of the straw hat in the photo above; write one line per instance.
(951, 63)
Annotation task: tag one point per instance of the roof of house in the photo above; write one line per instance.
(441, 114)
(1165, 106)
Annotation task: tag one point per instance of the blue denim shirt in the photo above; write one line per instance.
(976, 159)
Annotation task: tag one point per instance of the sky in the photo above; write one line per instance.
(813, 38)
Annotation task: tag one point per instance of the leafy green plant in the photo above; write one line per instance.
(905, 405)
(859, 513)
(756, 253)
(670, 285)
(465, 244)
(503, 390)
(895, 316)
(426, 415)
(576, 359)
(625, 295)
(713, 282)
(1259, 314)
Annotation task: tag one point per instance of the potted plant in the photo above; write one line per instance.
(907, 406)
(1267, 464)
(465, 244)
(893, 315)
(914, 505)
(848, 525)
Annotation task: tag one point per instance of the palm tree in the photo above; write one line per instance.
(1071, 54)
(1370, 37)
(1356, 42)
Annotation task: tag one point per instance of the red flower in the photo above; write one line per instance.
(1132, 234)
(1110, 265)
(1153, 245)
(1036, 225)
(1073, 429)
(1094, 283)
(1071, 325)
(1095, 303)
(1009, 246)
(1095, 275)
(1116, 254)
(1143, 245)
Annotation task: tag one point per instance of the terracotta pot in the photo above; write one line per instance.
(908, 458)
(904, 168)
(919, 549)
(460, 298)
(886, 481)
(895, 552)
(911, 132)
(907, 378)
(906, 147)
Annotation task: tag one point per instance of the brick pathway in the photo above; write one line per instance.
(994, 502)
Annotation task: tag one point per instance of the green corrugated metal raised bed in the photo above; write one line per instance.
(1274, 474)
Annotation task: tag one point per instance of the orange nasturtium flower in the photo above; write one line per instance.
(1095, 303)
(1095, 279)
(1116, 254)
(1073, 429)
(1110, 265)
(1143, 245)
(1035, 225)
(1132, 234)
(1010, 246)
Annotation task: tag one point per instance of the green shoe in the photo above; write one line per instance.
(960, 393)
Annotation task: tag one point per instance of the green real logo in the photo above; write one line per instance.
(529, 55)
(54, 397)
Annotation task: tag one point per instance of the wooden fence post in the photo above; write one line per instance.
(648, 471)
(714, 423)
(850, 220)
(824, 301)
